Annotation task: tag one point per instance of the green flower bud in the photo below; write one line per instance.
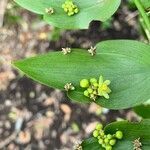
(90, 90)
(102, 133)
(99, 126)
(114, 135)
(70, 9)
(65, 9)
(100, 141)
(112, 142)
(76, 10)
(92, 97)
(108, 147)
(103, 145)
(95, 85)
(74, 6)
(63, 6)
(84, 83)
(106, 140)
(119, 135)
(109, 136)
(93, 80)
(94, 92)
(95, 133)
(99, 137)
(70, 13)
(86, 93)
(70, 3)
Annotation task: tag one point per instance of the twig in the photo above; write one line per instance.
(131, 16)
(13, 136)
(8, 140)
(3, 4)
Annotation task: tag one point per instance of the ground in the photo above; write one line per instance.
(44, 117)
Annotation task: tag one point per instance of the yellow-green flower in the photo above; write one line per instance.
(70, 8)
(103, 89)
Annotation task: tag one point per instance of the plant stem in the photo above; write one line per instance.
(143, 13)
(145, 28)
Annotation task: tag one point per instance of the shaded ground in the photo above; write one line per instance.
(48, 119)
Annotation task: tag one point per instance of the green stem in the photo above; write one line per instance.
(143, 13)
(145, 28)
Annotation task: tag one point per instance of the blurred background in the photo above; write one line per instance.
(45, 118)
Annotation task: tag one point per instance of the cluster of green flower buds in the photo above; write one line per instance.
(91, 88)
(70, 8)
(95, 88)
(106, 141)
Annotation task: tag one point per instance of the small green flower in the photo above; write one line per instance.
(90, 90)
(84, 83)
(95, 89)
(103, 89)
(93, 97)
(99, 126)
(103, 145)
(76, 10)
(86, 93)
(106, 140)
(95, 133)
(119, 135)
(70, 8)
(66, 50)
(112, 142)
(92, 51)
(108, 147)
(102, 133)
(95, 92)
(49, 10)
(95, 85)
(93, 80)
(109, 136)
(100, 141)
(69, 86)
(137, 145)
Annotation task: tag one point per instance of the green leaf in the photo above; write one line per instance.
(146, 3)
(131, 132)
(36, 7)
(91, 144)
(143, 111)
(88, 10)
(125, 63)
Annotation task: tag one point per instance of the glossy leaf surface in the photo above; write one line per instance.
(131, 132)
(143, 111)
(125, 63)
(88, 10)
